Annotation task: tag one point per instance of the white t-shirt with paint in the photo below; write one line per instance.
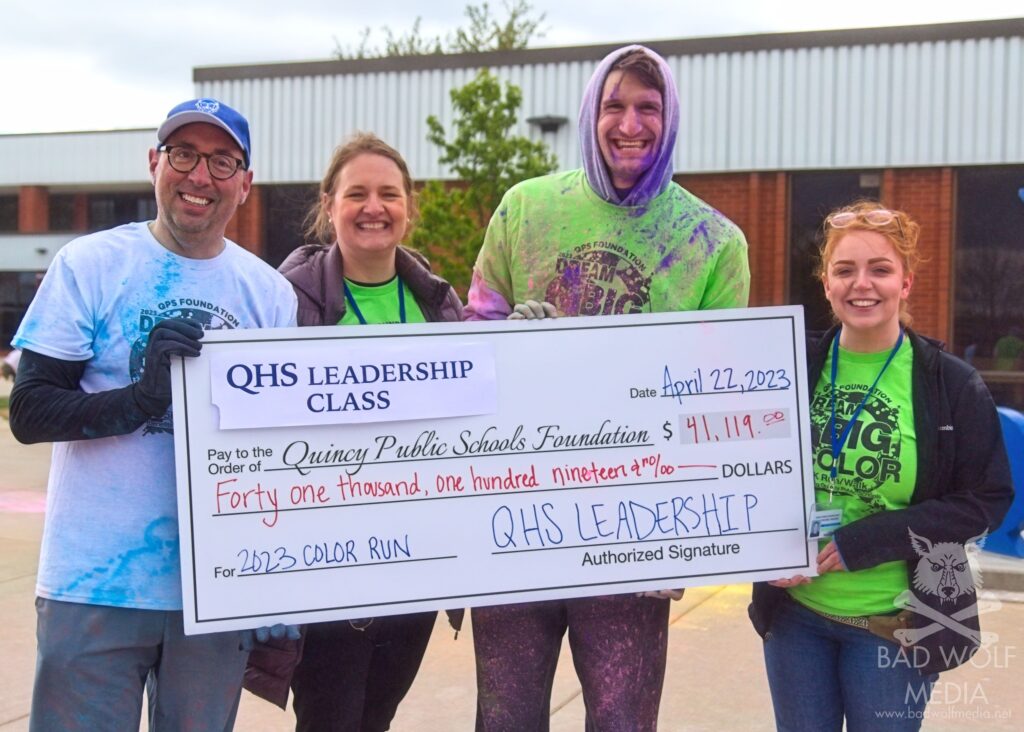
(111, 533)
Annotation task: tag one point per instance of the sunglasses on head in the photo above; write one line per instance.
(875, 217)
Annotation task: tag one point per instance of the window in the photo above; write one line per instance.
(812, 197)
(16, 292)
(285, 213)
(108, 210)
(988, 317)
(62, 212)
(9, 213)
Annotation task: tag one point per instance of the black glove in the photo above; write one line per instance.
(170, 337)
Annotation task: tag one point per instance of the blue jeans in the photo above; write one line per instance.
(821, 671)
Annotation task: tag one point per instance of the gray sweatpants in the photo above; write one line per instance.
(93, 662)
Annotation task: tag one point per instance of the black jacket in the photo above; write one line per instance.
(963, 490)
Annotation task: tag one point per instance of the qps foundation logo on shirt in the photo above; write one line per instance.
(871, 454)
(599, 278)
(207, 314)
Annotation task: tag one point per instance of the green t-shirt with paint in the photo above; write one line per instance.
(876, 471)
(380, 304)
(552, 238)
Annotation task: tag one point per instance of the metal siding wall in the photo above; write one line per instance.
(994, 103)
(800, 100)
(955, 102)
(31, 252)
(291, 147)
(690, 111)
(908, 96)
(952, 112)
(743, 101)
(865, 106)
(771, 152)
(787, 114)
(1014, 92)
(76, 158)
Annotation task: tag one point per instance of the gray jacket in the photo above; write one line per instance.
(316, 272)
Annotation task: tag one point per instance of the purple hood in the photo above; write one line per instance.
(656, 179)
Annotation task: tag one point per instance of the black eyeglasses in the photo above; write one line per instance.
(185, 160)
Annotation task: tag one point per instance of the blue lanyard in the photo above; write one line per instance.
(359, 313)
(838, 441)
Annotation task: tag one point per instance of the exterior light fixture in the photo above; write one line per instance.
(548, 122)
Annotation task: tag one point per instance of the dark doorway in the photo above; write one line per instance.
(16, 292)
(286, 210)
(812, 197)
(988, 315)
(989, 265)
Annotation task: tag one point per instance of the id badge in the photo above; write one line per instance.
(824, 522)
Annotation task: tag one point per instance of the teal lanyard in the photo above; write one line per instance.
(838, 441)
(359, 313)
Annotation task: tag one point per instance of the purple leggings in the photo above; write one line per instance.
(618, 643)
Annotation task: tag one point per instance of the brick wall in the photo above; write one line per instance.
(246, 227)
(33, 210)
(926, 194)
(758, 204)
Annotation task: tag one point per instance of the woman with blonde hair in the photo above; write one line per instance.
(908, 456)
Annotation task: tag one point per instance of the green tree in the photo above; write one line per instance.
(487, 161)
(483, 32)
(411, 44)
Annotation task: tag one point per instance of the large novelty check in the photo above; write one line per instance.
(331, 473)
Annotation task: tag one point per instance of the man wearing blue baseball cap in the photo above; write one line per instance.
(94, 379)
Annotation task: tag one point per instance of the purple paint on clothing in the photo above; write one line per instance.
(657, 177)
(571, 276)
(483, 303)
(669, 260)
(619, 646)
(702, 235)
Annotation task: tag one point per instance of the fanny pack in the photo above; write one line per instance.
(884, 626)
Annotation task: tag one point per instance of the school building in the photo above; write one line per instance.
(776, 130)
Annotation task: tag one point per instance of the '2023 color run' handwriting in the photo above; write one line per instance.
(320, 555)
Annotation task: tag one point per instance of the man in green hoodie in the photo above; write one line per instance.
(616, 236)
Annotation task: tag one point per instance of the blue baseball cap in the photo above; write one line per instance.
(211, 112)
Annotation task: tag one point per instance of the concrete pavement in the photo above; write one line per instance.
(715, 678)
